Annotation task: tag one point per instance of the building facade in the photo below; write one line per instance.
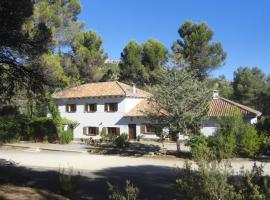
(116, 108)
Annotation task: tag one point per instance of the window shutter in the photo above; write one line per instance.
(116, 107)
(97, 131)
(143, 127)
(85, 130)
(117, 131)
(66, 108)
(85, 107)
(95, 107)
(106, 107)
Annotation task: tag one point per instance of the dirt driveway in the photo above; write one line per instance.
(85, 161)
(155, 177)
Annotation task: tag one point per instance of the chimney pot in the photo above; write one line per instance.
(215, 94)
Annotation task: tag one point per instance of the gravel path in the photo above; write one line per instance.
(85, 161)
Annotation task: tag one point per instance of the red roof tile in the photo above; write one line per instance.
(217, 107)
(99, 90)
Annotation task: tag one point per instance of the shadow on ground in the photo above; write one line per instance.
(137, 149)
(154, 182)
(134, 149)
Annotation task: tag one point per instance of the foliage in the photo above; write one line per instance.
(213, 181)
(143, 64)
(19, 50)
(131, 192)
(61, 17)
(234, 137)
(131, 68)
(224, 142)
(251, 185)
(106, 137)
(50, 65)
(199, 148)
(68, 181)
(122, 140)
(66, 137)
(180, 102)
(265, 145)
(196, 49)
(110, 72)
(248, 85)
(223, 86)
(208, 182)
(43, 128)
(89, 55)
(13, 127)
(249, 142)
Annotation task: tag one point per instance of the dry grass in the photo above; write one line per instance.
(10, 192)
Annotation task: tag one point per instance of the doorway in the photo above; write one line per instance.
(132, 131)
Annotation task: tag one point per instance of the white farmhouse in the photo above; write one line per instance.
(117, 108)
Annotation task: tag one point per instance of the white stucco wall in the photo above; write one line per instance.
(210, 126)
(100, 118)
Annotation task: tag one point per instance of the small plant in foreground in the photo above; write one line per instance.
(131, 192)
(68, 181)
(215, 181)
(122, 141)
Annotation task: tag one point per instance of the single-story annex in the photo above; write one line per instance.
(115, 107)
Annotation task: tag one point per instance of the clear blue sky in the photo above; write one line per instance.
(242, 26)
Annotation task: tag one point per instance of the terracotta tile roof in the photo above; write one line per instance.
(140, 109)
(217, 108)
(224, 107)
(100, 89)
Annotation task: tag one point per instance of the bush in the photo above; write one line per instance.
(13, 127)
(249, 142)
(66, 136)
(110, 138)
(213, 182)
(131, 192)
(122, 141)
(68, 181)
(209, 182)
(199, 148)
(265, 145)
(263, 128)
(223, 146)
(42, 129)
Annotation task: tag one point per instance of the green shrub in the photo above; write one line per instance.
(131, 192)
(68, 181)
(224, 143)
(249, 143)
(199, 148)
(213, 181)
(106, 137)
(13, 127)
(208, 182)
(121, 141)
(66, 136)
(43, 128)
(265, 145)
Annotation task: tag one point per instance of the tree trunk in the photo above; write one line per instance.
(178, 142)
